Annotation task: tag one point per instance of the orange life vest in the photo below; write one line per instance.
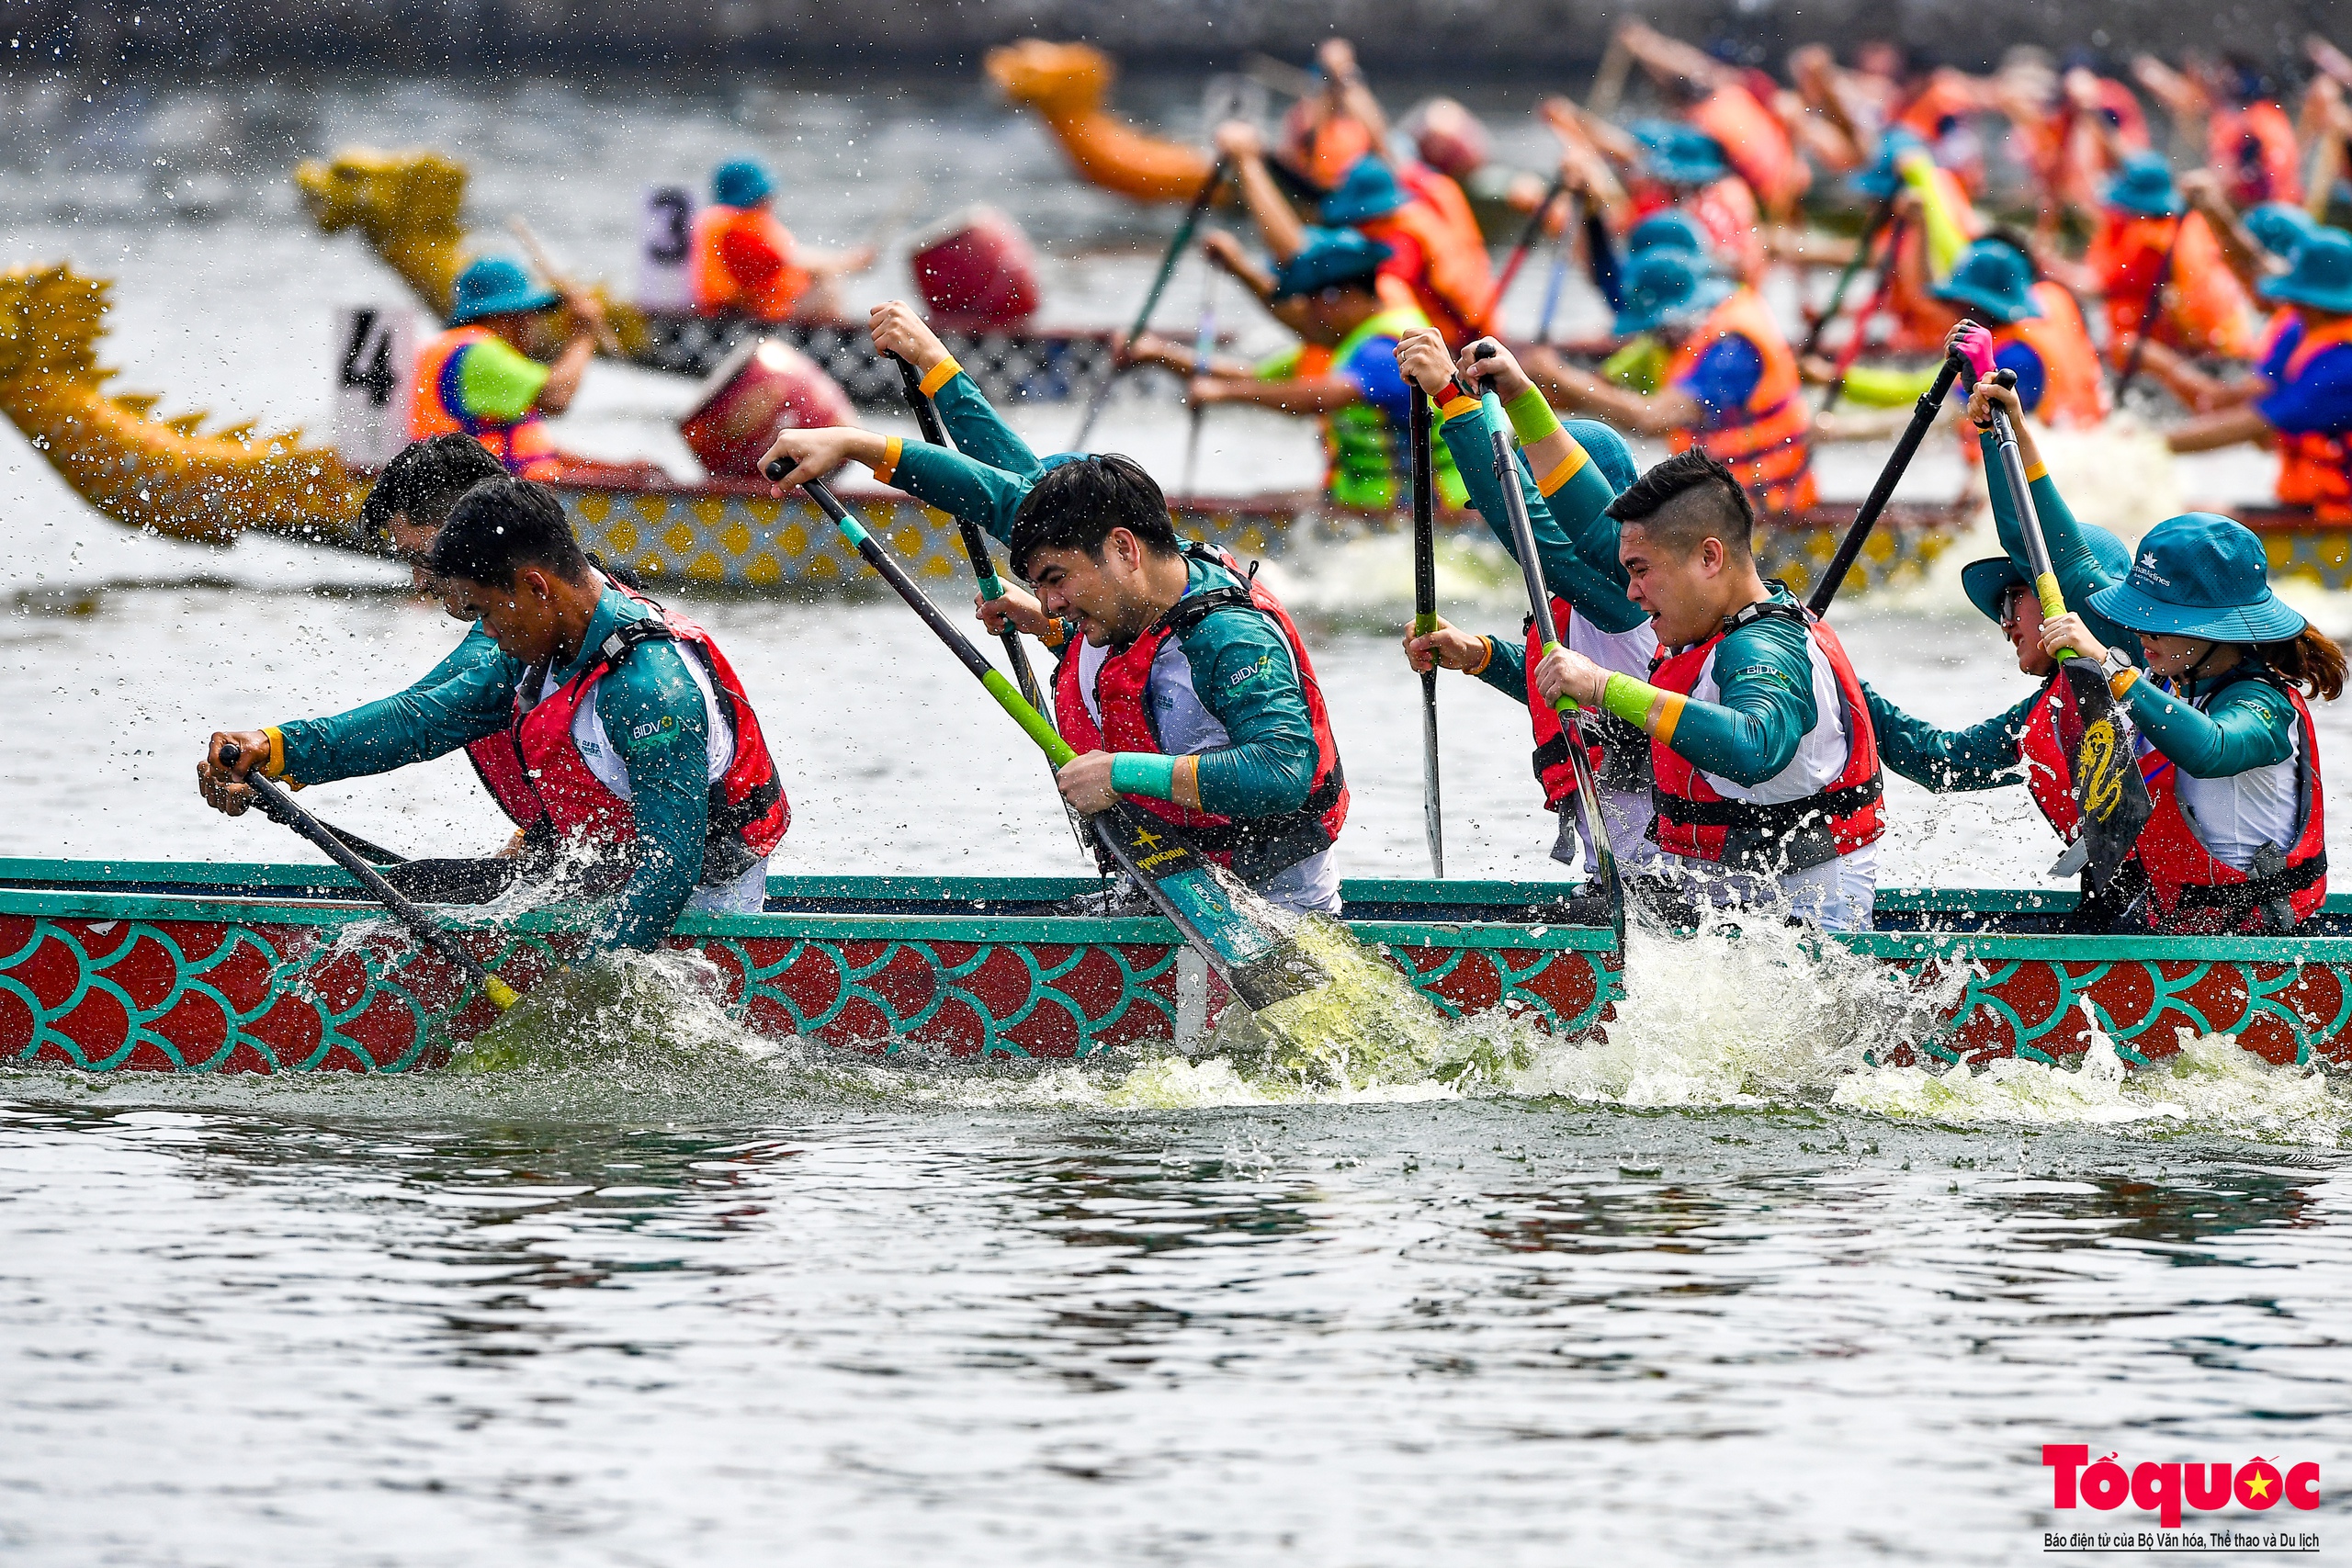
(2254, 150)
(1444, 193)
(743, 263)
(1757, 144)
(2205, 310)
(2074, 383)
(1697, 822)
(1768, 443)
(1454, 287)
(437, 408)
(2315, 469)
(2190, 891)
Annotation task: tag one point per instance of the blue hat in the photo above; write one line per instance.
(2279, 226)
(2321, 275)
(1988, 583)
(1368, 190)
(1608, 451)
(495, 286)
(1995, 278)
(1663, 287)
(1332, 255)
(1884, 177)
(741, 182)
(1672, 230)
(1680, 154)
(2200, 575)
(2143, 186)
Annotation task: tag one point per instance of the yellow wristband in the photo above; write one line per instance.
(274, 765)
(1531, 419)
(2039, 471)
(889, 462)
(946, 370)
(1566, 469)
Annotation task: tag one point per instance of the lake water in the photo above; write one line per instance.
(1715, 1290)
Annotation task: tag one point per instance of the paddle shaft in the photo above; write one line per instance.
(1204, 344)
(1539, 604)
(2148, 312)
(279, 807)
(1176, 245)
(2037, 550)
(1923, 415)
(607, 339)
(1527, 234)
(1425, 622)
(1879, 296)
(1879, 221)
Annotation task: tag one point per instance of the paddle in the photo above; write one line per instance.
(1425, 622)
(1262, 964)
(1923, 414)
(2108, 790)
(1879, 220)
(1204, 344)
(279, 807)
(1176, 243)
(1879, 297)
(1539, 600)
(607, 339)
(2148, 314)
(1527, 234)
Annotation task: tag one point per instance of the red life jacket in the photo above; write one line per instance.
(538, 777)
(1257, 847)
(2190, 891)
(1620, 754)
(500, 766)
(1697, 822)
(2255, 151)
(2054, 732)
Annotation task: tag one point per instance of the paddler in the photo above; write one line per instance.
(630, 734)
(1765, 772)
(1217, 723)
(2148, 239)
(474, 378)
(1938, 224)
(1730, 388)
(1568, 475)
(2037, 332)
(1330, 291)
(746, 263)
(2237, 842)
(2260, 245)
(2250, 140)
(1735, 108)
(2304, 402)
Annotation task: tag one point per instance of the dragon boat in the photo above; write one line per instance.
(169, 476)
(174, 967)
(407, 205)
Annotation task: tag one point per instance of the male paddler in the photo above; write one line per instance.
(628, 732)
(1731, 389)
(473, 378)
(1764, 764)
(745, 262)
(1330, 292)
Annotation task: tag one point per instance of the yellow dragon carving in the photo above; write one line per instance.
(1065, 83)
(151, 473)
(407, 205)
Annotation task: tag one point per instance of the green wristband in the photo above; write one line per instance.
(1145, 773)
(1626, 698)
(1531, 418)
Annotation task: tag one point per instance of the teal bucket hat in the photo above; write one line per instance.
(1663, 287)
(1988, 583)
(1884, 177)
(1992, 276)
(1671, 229)
(741, 182)
(2280, 227)
(2200, 575)
(2143, 186)
(1332, 255)
(495, 286)
(2320, 275)
(1680, 154)
(1368, 190)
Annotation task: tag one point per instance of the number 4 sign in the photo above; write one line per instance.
(375, 358)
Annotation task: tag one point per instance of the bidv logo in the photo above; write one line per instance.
(2166, 1489)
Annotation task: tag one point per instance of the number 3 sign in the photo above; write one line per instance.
(666, 250)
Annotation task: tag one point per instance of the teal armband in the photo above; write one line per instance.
(1146, 773)
(1531, 418)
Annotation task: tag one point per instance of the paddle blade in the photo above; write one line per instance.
(2109, 789)
(1257, 958)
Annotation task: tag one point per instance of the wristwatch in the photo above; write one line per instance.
(2115, 662)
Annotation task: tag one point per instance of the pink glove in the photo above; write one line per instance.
(1975, 346)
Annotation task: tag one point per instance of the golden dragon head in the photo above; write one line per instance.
(1062, 77)
(405, 203)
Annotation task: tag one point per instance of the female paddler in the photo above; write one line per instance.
(1183, 684)
(1568, 475)
(2237, 840)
